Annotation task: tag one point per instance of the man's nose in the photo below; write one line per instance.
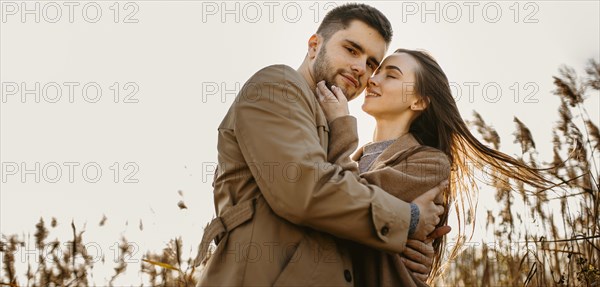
(359, 68)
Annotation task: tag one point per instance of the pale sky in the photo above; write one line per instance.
(178, 64)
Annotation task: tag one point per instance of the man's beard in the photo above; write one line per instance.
(321, 69)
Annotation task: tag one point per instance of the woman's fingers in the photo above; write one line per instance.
(339, 94)
(320, 94)
(325, 93)
(333, 103)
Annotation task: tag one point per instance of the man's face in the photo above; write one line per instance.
(349, 58)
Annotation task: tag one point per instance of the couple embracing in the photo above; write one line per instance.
(298, 205)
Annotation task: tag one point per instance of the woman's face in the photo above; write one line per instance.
(391, 91)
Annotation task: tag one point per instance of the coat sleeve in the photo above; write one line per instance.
(343, 141)
(277, 133)
(406, 179)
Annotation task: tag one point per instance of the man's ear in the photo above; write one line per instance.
(313, 46)
(420, 104)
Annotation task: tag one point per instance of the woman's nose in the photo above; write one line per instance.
(372, 81)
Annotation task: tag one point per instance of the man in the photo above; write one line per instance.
(281, 206)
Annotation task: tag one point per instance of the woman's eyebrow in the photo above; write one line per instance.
(390, 67)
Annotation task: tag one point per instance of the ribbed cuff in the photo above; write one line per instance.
(414, 218)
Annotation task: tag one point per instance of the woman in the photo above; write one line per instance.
(420, 139)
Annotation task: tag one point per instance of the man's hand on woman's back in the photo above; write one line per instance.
(429, 212)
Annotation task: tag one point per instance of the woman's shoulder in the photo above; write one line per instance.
(428, 153)
(418, 158)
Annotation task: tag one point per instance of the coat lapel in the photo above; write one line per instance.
(393, 151)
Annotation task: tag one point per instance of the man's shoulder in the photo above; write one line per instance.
(278, 88)
(280, 84)
(278, 73)
(279, 68)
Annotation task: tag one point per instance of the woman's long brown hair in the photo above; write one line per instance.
(441, 126)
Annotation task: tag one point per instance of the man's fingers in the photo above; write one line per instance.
(431, 194)
(419, 276)
(414, 255)
(430, 212)
(444, 184)
(421, 247)
(418, 257)
(415, 267)
(441, 209)
(438, 232)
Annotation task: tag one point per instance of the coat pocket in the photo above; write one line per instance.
(315, 262)
(299, 269)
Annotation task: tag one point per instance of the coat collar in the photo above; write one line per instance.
(393, 151)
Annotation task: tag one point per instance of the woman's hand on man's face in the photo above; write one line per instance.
(333, 102)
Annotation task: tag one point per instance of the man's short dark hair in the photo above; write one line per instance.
(340, 17)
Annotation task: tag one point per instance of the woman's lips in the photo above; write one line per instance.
(372, 94)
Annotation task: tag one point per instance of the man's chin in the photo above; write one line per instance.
(349, 92)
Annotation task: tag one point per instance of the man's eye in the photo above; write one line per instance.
(390, 76)
(351, 51)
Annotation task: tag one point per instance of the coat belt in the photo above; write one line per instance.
(231, 218)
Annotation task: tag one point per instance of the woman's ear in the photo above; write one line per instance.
(313, 46)
(420, 104)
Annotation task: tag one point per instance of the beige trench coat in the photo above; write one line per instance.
(280, 205)
(405, 169)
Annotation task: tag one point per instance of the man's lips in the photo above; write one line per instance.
(351, 79)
